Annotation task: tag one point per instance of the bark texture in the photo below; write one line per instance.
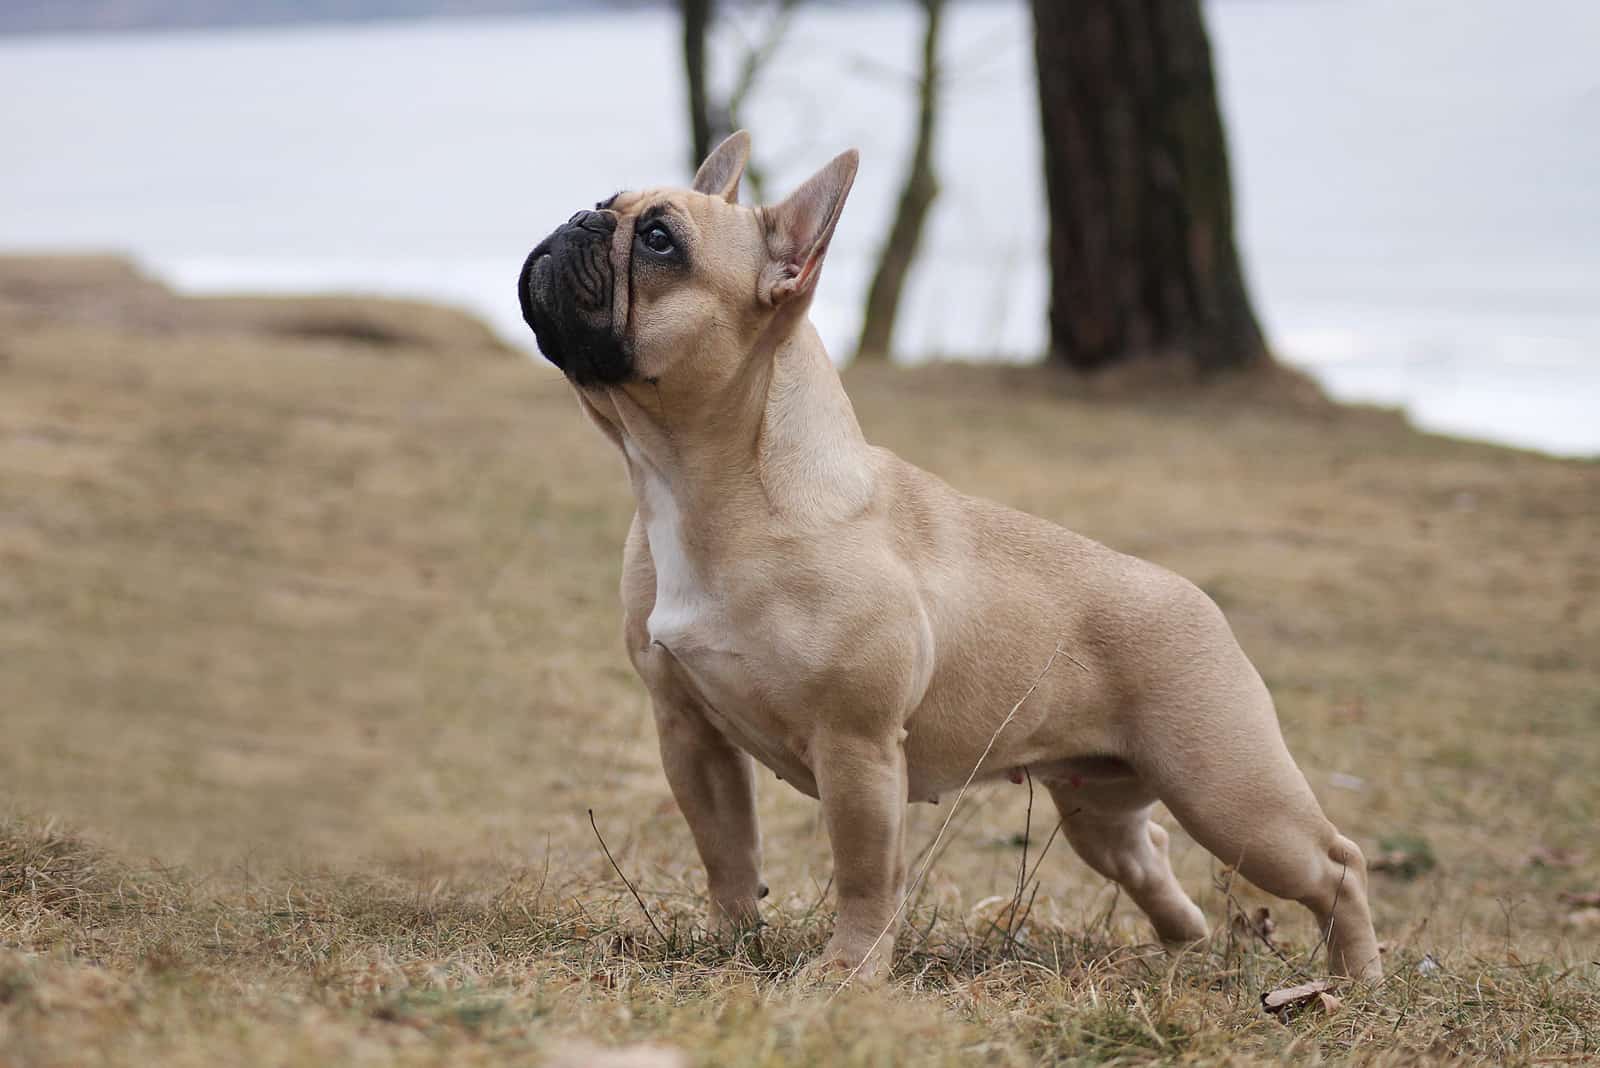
(1142, 255)
(697, 15)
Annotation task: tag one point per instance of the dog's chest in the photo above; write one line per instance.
(729, 668)
(684, 607)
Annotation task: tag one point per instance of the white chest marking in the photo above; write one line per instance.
(681, 597)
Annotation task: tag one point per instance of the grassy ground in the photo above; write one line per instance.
(310, 675)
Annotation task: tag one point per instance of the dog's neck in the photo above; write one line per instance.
(782, 432)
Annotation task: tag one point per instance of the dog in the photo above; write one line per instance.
(796, 596)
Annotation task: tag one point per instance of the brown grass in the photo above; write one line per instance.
(309, 635)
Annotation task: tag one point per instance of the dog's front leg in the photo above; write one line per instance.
(714, 785)
(861, 780)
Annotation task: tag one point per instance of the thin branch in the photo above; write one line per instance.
(614, 867)
(1328, 934)
(1012, 925)
(1261, 935)
(757, 55)
(1033, 879)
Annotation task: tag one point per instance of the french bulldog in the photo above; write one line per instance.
(795, 596)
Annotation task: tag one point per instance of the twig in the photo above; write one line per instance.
(927, 848)
(1012, 925)
(1111, 909)
(821, 897)
(614, 867)
(927, 932)
(1260, 934)
(1013, 935)
(935, 856)
(757, 54)
(1027, 831)
(1048, 842)
(1328, 934)
(1033, 878)
(1223, 881)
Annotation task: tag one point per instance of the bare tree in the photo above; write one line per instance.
(1142, 255)
(713, 117)
(916, 198)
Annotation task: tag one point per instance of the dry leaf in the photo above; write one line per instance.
(1583, 918)
(1587, 899)
(1328, 1002)
(1288, 998)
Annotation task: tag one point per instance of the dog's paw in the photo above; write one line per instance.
(735, 916)
(826, 974)
(730, 926)
(839, 966)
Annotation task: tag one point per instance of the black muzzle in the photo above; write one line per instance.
(567, 290)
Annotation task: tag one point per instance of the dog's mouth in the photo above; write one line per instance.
(533, 290)
(566, 290)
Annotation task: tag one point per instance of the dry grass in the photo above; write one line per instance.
(310, 637)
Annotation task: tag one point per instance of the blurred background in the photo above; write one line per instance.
(312, 699)
(1414, 182)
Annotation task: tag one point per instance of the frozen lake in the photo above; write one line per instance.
(1417, 182)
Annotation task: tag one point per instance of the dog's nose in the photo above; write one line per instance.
(599, 222)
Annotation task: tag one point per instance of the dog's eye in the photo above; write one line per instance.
(657, 239)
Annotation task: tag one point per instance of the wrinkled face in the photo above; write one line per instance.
(643, 282)
(675, 285)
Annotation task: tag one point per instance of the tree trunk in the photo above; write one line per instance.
(1142, 254)
(916, 197)
(697, 15)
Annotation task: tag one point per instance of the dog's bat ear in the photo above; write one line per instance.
(799, 229)
(719, 175)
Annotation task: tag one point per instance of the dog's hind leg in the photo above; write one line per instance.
(1122, 843)
(1221, 766)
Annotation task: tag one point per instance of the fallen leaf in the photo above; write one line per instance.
(1587, 899)
(1429, 965)
(1328, 1002)
(1287, 999)
(1583, 918)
